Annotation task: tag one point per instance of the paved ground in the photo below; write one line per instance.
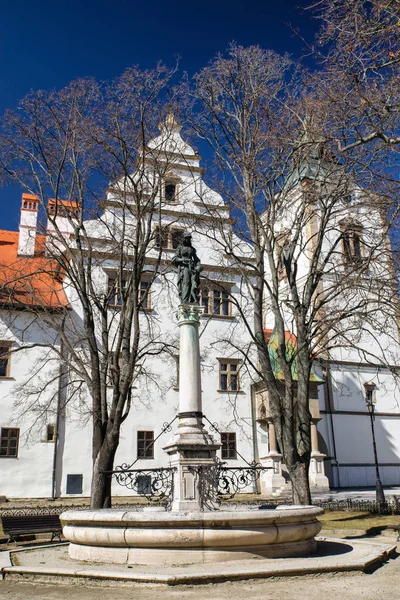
(385, 582)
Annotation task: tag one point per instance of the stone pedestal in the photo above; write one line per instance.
(272, 481)
(318, 479)
(192, 448)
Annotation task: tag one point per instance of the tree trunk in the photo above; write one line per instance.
(100, 495)
(298, 473)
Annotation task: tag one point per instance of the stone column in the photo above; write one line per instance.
(318, 479)
(272, 481)
(192, 448)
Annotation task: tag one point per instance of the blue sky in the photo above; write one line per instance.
(46, 44)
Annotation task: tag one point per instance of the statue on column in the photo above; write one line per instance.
(189, 269)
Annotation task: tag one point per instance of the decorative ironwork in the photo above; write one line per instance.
(153, 484)
(219, 482)
(54, 510)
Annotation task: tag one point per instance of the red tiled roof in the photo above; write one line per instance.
(29, 281)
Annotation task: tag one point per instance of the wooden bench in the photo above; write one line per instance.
(15, 526)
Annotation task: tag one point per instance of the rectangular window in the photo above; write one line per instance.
(5, 352)
(215, 301)
(170, 191)
(9, 441)
(144, 295)
(74, 484)
(229, 375)
(145, 444)
(228, 441)
(50, 433)
(143, 484)
(116, 292)
(168, 238)
(352, 244)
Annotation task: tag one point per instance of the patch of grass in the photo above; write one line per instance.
(358, 520)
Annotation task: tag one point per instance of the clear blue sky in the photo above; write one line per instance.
(46, 44)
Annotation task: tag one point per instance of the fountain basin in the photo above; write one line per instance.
(126, 537)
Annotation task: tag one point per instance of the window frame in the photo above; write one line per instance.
(116, 293)
(228, 372)
(229, 445)
(146, 295)
(148, 446)
(50, 438)
(8, 439)
(6, 357)
(167, 233)
(167, 181)
(209, 301)
(352, 239)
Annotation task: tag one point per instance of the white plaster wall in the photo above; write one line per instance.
(30, 474)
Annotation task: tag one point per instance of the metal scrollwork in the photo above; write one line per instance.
(219, 482)
(153, 484)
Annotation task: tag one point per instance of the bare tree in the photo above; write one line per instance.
(291, 197)
(88, 286)
(357, 79)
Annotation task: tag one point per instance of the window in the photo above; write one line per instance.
(145, 444)
(167, 238)
(143, 484)
(229, 375)
(350, 198)
(228, 448)
(116, 288)
(170, 190)
(50, 433)
(215, 301)
(5, 352)
(74, 484)
(9, 442)
(144, 295)
(352, 243)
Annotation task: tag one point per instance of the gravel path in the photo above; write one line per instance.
(385, 582)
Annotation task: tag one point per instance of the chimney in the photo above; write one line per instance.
(28, 224)
(60, 217)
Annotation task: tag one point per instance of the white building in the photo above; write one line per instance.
(46, 452)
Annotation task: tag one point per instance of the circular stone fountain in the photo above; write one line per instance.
(189, 534)
(121, 536)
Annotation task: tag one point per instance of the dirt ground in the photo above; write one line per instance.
(384, 582)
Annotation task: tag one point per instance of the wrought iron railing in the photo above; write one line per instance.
(390, 507)
(153, 484)
(219, 482)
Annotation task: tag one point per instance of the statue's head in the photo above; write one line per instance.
(187, 238)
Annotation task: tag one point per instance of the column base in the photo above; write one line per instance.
(318, 480)
(272, 481)
(195, 483)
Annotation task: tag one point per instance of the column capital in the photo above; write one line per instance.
(189, 313)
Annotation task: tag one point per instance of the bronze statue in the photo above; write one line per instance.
(189, 269)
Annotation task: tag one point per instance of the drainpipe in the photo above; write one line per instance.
(60, 394)
(329, 406)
